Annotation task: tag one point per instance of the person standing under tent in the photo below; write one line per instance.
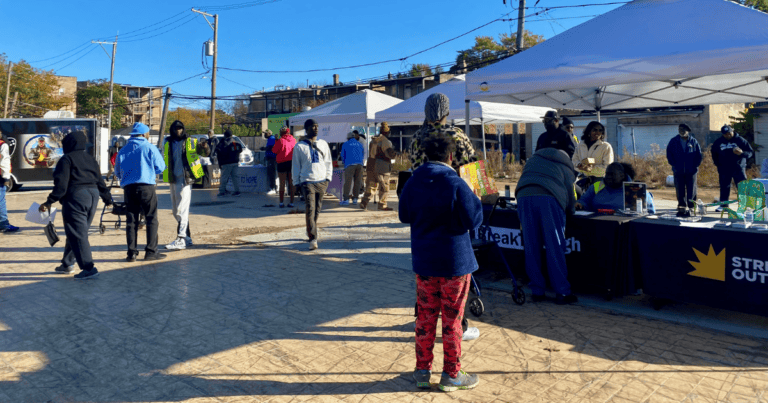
(283, 150)
(555, 136)
(730, 153)
(352, 157)
(382, 153)
(684, 155)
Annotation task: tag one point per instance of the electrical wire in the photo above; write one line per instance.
(188, 20)
(228, 7)
(65, 53)
(69, 57)
(76, 60)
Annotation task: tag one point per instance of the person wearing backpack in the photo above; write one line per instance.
(228, 153)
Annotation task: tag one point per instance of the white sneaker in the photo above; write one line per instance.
(471, 334)
(313, 244)
(178, 244)
(272, 192)
(188, 241)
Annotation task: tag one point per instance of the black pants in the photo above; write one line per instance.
(737, 175)
(685, 188)
(141, 198)
(313, 199)
(271, 173)
(78, 209)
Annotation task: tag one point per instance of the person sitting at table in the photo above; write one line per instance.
(608, 193)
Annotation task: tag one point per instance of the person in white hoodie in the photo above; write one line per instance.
(312, 170)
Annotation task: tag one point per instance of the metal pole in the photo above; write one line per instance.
(164, 117)
(111, 87)
(7, 90)
(466, 116)
(482, 130)
(520, 26)
(213, 76)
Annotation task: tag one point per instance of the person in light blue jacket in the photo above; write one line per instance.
(352, 153)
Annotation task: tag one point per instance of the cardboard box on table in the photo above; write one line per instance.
(477, 178)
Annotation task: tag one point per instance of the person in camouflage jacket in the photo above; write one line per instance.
(436, 112)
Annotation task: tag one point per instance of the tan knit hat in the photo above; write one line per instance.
(384, 127)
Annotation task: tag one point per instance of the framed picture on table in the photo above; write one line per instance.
(635, 196)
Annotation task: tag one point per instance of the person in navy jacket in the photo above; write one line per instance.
(730, 154)
(441, 209)
(684, 154)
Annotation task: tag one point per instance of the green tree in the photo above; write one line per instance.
(198, 121)
(38, 89)
(744, 124)
(418, 68)
(488, 50)
(761, 5)
(93, 99)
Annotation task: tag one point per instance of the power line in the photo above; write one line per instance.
(227, 7)
(65, 53)
(68, 57)
(74, 61)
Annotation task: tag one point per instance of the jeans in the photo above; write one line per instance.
(272, 173)
(736, 174)
(141, 198)
(3, 209)
(227, 171)
(313, 198)
(543, 222)
(78, 210)
(181, 198)
(685, 188)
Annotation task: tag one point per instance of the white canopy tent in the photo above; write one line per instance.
(335, 118)
(648, 53)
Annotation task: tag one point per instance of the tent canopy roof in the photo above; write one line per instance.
(359, 107)
(412, 109)
(644, 54)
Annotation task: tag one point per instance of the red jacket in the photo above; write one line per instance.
(283, 148)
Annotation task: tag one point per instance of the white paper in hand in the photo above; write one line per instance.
(35, 216)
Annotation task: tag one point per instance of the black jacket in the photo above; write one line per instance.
(724, 157)
(559, 139)
(76, 169)
(228, 151)
(549, 171)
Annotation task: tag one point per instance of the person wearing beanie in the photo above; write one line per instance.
(182, 158)
(271, 161)
(436, 110)
(228, 153)
(283, 150)
(136, 166)
(77, 185)
(312, 171)
(379, 166)
(730, 153)
(555, 136)
(352, 153)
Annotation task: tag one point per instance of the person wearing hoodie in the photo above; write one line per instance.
(181, 154)
(352, 154)
(730, 154)
(545, 193)
(5, 176)
(555, 136)
(136, 166)
(312, 171)
(228, 154)
(684, 155)
(77, 185)
(441, 210)
(283, 150)
(271, 161)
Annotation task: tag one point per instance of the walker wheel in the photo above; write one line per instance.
(102, 229)
(476, 307)
(518, 295)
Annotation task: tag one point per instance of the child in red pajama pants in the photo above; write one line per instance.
(441, 209)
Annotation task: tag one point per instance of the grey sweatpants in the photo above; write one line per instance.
(227, 171)
(181, 196)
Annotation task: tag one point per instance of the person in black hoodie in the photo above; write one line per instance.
(555, 136)
(228, 154)
(545, 194)
(730, 154)
(77, 185)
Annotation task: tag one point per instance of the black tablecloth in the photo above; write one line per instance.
(735, 264)
(597, 255)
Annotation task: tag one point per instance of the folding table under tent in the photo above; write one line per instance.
(647, 53)
(411, 111)
(335, 118)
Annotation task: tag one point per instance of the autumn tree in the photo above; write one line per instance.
(418, 69)
(38, 89)
(488, 50)
(93, 100)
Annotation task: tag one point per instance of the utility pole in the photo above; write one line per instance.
(164, 116)
(520, 26)
(15, 100)
(215, 28)
(111, 80)
(7, 90)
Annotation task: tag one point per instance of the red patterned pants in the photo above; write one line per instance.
(433, 296)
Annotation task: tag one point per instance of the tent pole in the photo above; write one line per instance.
(482, 130)
(598, 115)
(466, 116)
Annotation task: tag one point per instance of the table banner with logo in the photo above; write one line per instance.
(719, 267)
(253, 179)
(596, 252)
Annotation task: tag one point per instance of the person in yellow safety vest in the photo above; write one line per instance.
(609, 193)
(182, 160)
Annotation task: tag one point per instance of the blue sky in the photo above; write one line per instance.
(283, 35)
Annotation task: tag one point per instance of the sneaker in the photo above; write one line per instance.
(462, 381)
(313, 244)
(471, 334)
(354, 202)
(87, 275)
(566, 299)
(154, 256)
(236, 194)
(178, 244)
(10, 228)
(221, 194)
(290, 205)
(719, 209)
(130, 258)
(272, 192)
(65, 269)
(281, 205)
(538, 298)
(421, 376)
(343, 203)
(188, 241)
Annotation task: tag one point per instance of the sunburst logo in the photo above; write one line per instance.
(711, 265)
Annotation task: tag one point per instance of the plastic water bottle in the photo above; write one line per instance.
(749, 216)
(700, 207)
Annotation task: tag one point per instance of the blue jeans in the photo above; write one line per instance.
(3, 210)
(543, 222)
